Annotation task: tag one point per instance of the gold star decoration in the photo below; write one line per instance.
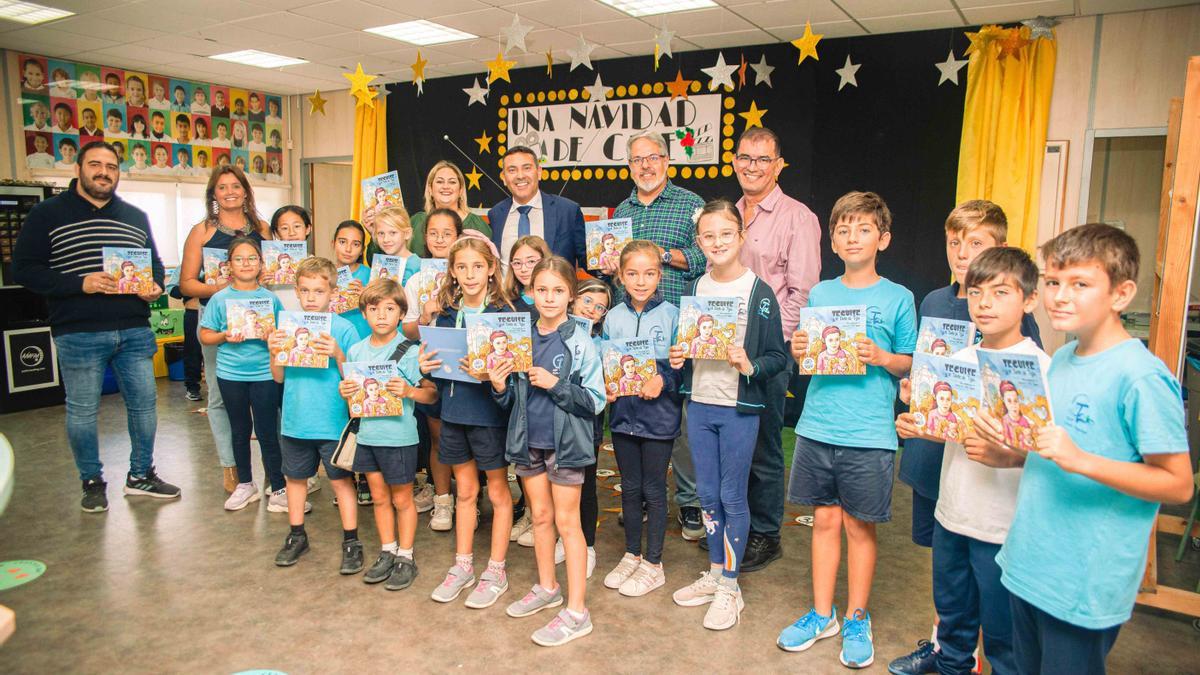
(358, 80)
(982, 38)
(550, 63)
(741, 71)
(1011, 44)
(679, 86)
(365, 96)
(753, 116)
(418, 69)
(807, 44)
(498, 69)
(485, 143)
(316, 104)
(473, 178)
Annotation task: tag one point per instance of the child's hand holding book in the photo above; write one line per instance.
(676, 356)
(348, 388)
(651, 389)
(397, 387)
(539, 377)
(498, 374)
(799, 345)
(738, 359)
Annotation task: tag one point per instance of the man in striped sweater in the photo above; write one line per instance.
(58, 255)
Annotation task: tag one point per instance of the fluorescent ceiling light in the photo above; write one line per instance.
(648, 7)
(28, 12)
(421, 33)
(253, 57)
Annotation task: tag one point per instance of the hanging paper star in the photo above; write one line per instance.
(662, 44)
(981, 38)
(476, 94)
(720, 73)
(762, 71)
(597, 93)
(949, 68)
(498, 69)
(418, 68)
(741, 71)
(1041, 27)
(807, 44)
(847, 73)
(550, 63)
(365, 96)
(485, 143)
(473, 177)
(1011, 44)
(358, 79)
(753, 116)
(581, 54)
(316, 104)
(679, 86)
(382, 92)
(514, 35)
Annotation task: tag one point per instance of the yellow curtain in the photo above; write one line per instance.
(370, 148)
(1009, 82)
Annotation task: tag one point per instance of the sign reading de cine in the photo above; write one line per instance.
(594, 134)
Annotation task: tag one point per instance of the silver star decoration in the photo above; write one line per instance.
(383, 92)
(598, 92)
(581, 54)
(514, 35)
(762, 71)
(848, 73)
(663, 40)
(949, 68)
(476, 94)
(420, 86)
(1042, 26)
(720, 73)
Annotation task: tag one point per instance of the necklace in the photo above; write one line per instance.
(244, 231)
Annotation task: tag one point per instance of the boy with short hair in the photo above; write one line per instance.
(972, 227)
(1089, 497)
(313, 419)
(979, 480)
(846, 436)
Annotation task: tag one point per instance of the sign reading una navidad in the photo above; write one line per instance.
(594, 134)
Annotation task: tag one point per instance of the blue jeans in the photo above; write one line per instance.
(643, 464)
(722, 447)
(218, 419)
(82, 357)
(766, 470)
(254, 405)
(968, 595)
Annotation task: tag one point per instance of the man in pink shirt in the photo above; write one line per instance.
(783, 247)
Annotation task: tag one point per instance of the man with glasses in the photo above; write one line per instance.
(662, 213)
(59, 255)
(783, 247)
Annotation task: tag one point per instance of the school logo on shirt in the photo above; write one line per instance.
(764, 307)
(1080, 417)
(656, 334)
(557, 364)
(874, 317)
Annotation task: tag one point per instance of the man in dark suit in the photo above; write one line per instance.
(530, 211)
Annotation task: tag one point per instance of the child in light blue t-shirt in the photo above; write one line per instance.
(348, 252)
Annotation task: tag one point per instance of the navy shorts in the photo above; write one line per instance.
(301, 457)
(398, 464)
(922, 519)
(857, 479)
(461, 443)
(544, 461)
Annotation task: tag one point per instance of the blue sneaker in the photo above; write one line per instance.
(807, 630)
(858, 650)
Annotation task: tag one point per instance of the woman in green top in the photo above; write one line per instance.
(445, 188)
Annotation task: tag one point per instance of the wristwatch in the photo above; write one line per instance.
(666, 256)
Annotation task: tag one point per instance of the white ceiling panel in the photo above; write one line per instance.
(907, 22)
(1017, 12)
(286, 24)
(564, 12)
(423, 9)
(868, 9)
(101, 27)
(830, 29)
(776, 13)
(352, 14)
(30, 39)
(605, 32)
(731, 39)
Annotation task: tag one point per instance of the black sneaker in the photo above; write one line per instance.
(95, 497)
(352, 557)
(294, 546)
(193, 394)
(703, 543)
(922, 660)
(381, 569)
(364, 491)
(403, 574)
(150, 485)
(760, 552)
(689, 520)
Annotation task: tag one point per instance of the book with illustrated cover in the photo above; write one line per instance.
(253, 318)
(944, 337)
(280, 258)
(216, 266)
(628, 365)
(381, 191)
(372, 398)
(428, 279)
(945, 396)
(302, 328)
(605, 239)
(707, 326)
(130, 267)
(1014, 391)
(451, 347)
(502, 336)
(583, 324)
(387, 267)
(832, 334)
(344, 298)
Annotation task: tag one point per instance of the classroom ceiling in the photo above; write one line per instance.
(175, 37)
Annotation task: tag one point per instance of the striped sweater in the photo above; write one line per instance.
(60, 243)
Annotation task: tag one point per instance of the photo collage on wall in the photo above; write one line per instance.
(160, 125)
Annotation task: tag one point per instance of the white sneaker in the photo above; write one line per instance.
(699, 592)
(560, 556)
(645, 578)
(314, 484)
(725, 609)
(628, 564)
(526, 538)
(560, 553)
(443, 513)
(242, 496)
(591, 561)
(278, 502)
(524, 524)
(423, 498)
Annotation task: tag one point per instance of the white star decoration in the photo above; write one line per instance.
(383, 92)
(514, 35)
(848, 73)
(720, 73)
(662, 39)
(598, 93)
(581, 54)
(762, 71)
(476, 94)
(949, 68)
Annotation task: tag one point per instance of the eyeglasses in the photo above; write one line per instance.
(244, 259)
(747, 160)
(528, 263)
(648, 159)
(595, 306)
(710, 239)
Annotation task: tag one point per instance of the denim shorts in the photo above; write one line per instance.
(543, 462)
(398, 464)
(857, 479)
(301, 457)
(461, 443)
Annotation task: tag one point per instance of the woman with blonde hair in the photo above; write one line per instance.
(445, 188)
